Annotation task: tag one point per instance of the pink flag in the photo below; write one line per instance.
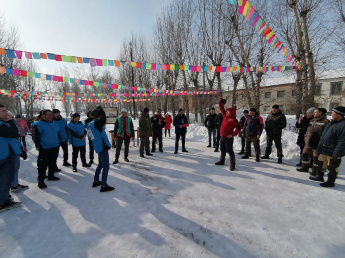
(18, 54)
(28, 55)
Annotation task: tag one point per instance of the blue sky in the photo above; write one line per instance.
(80, 27)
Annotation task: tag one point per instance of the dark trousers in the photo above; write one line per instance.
(76, 150)
(277, 139)
(160, 141)
(46, 159)
(183, 137)
(22, 140)
(144, 144)
(243, 143)
(6, 177)
(119, 146)
(91, 151)
(166, 132)
(212, 134)
(256, 143)
(64, 146)
(226, 146)
(103, 165)
(218, 138)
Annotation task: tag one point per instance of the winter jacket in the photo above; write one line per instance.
(98, 136)
(242, 121)
(158, 123)
(180, 120)
(46, 135)
(23, 129)
(275, 123)
(145, 127)
(218, 121)
(103, 119)
(119, 131)
(253, 125)
(168, 122)
(303, 127)
(9, 144)
(77, 131)
(63, 132)
(313, 134)
(229, 125)
(209, 121)
(332, 142)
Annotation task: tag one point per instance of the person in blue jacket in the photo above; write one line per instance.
(9, 148)
(181, 124)
(63, 134)
(101, 144)
(77, 137)
(46, 138)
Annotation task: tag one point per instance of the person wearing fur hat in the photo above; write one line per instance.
(145, 131)
(331, 148)
(252, 130)
(209, 124)
(228, 130)
(77, 137)
(63, 136)
(123, 133)
(274, 125)
(158, 123)
(181, 124)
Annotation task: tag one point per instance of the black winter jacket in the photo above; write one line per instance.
(210, 121)
(180, 120)
(303, 127)
(158, 123)
(218, 121)
(275, 123)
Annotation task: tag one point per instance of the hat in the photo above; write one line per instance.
(246, 112)
(275, 106)
(18, 116)
(146, 110)
(252, 109)
(123, 110)
(311, 110)
(212, 108)
(75, 115)
(55, 111)
(159, 110)
(95, 113)
(181, 109)
(339, 110)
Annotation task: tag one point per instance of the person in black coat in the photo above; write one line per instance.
(158, 123)
(241, 123)
(217, 124)
(181, 124)
(209, 123)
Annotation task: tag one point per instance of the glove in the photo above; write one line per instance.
(185, 125)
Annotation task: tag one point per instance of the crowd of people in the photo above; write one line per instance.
(321, 142)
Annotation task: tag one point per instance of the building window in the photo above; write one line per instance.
(336, 88)
(318, 88)
(281, 94)
(267, 108)
(333, 105)
(267, 95)
(294, 93)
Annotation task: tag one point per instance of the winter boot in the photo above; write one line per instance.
(116, 161)
(85, 165)
(314, 171)
(75, 169)
(221, 160)
(106, 188)
(280, 160)
(51, 177)
(241, 152)
(216, 149)
(303, 169)
(246, 156)
(232, 163)
(265, 157)
(66, 164)
(184, 150)
(330, 180)
(91, 162)
(41, 184)
(257, 158)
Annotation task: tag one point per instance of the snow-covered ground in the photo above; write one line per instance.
(178, 206)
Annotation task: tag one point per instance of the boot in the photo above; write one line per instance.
(216, 149)
(85, 165)
(75, 169)
(91, 162)
(303, 169)
(51, 177)
(66, 164)
(221, 160)
(314, 171)
(246, 156)
(241, 152)
(330, 180)
(265, 157)
(41, 184)
(257, 158)
(232, 163)
(116, 161)
(280, 160)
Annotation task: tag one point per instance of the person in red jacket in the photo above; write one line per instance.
(168, 122)
(228, 130)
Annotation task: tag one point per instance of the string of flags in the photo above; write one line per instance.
(48, 77)
(19, 54)
(255, 20)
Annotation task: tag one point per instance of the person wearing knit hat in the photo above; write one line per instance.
(209, 124)
(274, 125)
(77, 137)
(145, 131)
(123, 110)
(181, 123)
(302, 125)
(241, 123)
(331, 148)
(63, 136)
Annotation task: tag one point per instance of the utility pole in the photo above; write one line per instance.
(131, 52)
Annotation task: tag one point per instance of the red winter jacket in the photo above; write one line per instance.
(230, 125)
(168, 121)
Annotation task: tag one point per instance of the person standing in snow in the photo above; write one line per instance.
(181, 124)
(46, 138)
(331, 148)
(243, 138)
(274, 125)
(158, 123)
(311, 139)
(23, 130)
(252, 130)
(168, 122)
(217, 124)
(145, 131)
(101, 144)
(91, 149)
(63, 136)
(123, 133)
(77, 137)
(209, 123)
(228, 130)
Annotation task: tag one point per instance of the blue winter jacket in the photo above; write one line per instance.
(8, 144)
(98, 138)
(76, 133)
(46, 135)
(180, 120)
(63, 133)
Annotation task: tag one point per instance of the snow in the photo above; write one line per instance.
(178, 206)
